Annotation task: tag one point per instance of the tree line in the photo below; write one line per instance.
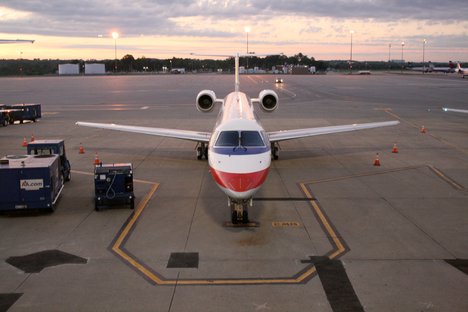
(128, 64)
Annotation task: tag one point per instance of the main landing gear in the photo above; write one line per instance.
(240, 213)
(274, 151)
(202, 150)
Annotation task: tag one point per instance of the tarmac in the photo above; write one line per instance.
(336, 232)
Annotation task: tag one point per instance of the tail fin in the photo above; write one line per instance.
(236, 62)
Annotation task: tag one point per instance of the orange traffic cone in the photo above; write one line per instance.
(377, 160)
(81, 149)
(423, 129)
(25, 143)
(96, 160)
(395, 148)
(32, 137)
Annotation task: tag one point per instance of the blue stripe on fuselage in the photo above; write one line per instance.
(239, 150)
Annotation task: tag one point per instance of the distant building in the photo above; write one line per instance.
(280, 69)
(95, 69)
(300, 70)
(69, 69)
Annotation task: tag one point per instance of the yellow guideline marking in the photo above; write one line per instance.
(133, 262)
(116, 247)
(325, 223)
(446, 178)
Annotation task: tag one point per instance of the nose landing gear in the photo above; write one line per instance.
(240, 213)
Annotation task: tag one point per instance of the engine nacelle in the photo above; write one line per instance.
(206, 100)
(268, 100)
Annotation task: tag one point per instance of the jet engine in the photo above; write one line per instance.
(206, 100)
(268, 100)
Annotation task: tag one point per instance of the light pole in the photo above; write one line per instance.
(389, 58)
(115, 35)
(402, 60)
(247, 30)
(389, 47)
(424, 48)
(351, 53)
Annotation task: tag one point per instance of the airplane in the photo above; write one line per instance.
(4, 41)
(464, 111)
(239, 150)
(461, 71)
(431, 68)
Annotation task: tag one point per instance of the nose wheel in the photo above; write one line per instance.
(240, 214)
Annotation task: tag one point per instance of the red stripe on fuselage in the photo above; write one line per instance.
(239, 182)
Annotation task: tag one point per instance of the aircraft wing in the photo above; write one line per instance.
(3, 41)
(302, 133)
(455, 110)
(170, 133)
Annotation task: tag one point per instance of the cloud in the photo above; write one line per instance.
(383, 10)
(156, 17)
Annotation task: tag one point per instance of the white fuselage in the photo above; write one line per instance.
(239, 153)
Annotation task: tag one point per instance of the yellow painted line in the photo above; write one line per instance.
(325, 223)
(133, 262)
(446, 178)
(117, 248)
(159, 281)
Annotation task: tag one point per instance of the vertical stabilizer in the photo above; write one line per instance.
(236, 72)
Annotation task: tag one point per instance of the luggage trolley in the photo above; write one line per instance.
(113, 185)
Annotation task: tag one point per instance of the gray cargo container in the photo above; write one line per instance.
(30, 182)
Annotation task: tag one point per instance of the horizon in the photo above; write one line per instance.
(320, 29)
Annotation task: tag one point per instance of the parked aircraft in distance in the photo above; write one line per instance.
(239, 150)
(461, 71)
(431, 68)
(4, 41)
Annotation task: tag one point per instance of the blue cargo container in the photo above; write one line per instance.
(48, 147)
(113, 184)
(30, 182)
(21, 112)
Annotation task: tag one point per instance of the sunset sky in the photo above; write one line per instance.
(162, 29)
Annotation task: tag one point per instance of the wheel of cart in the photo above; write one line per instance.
(97, 205)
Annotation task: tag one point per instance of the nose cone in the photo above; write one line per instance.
(240, 182)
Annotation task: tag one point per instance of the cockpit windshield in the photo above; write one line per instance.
(228, 139)
(251, 138)
(247, 139)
